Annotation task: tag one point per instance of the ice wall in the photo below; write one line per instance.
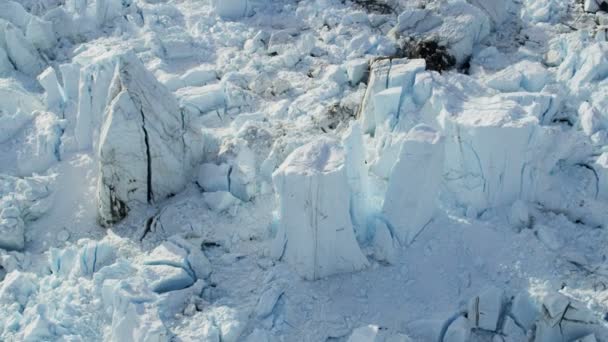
(413, 186)
(316, 231)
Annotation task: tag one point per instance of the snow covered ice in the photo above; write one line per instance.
(324, 170)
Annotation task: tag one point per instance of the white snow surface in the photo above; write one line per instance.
(254, 170)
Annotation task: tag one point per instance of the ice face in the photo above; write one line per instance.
(317, 241)
(141, 144)
(413, 186)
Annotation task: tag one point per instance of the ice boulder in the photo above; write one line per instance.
(232, 9)
(316, 234)
(413, 186)
(134, 316)
(487, 152)
(530, 76)
(142, 154)
(214, 177)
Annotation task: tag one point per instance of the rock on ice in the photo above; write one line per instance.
(315, 229)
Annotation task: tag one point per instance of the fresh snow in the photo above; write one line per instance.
(324, 170)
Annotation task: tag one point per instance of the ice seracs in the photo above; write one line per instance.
(413, 186)
(316, 234)
(141, 149)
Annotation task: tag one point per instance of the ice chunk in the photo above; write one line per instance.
(41, 146)
(232, 9)
(591, 120)
(581, 69)
(133, 316)
(12, 227)
(524, 310)
(53, 96)
(170, 254)
(487, 152)
(458, 331)
(164, 278)
(21, 200)
(367, 333)
(142, 152)
(544, 11)
(486, 309)
(199, 76)
(384, 246)
(15, 13)
(17, 287)
(564, 320)
(40, 329)
(219, 201)
(315, 226)
(385, 74)
(203, 99)
(21, 52)
(40, 34)
(268, 300)
(530, 76)
(356, 173)
(95, 80)
(197, 261)
(387, 104)
(512, 331)
(519, 215)
(214, 177)
(594, 5)
(410, 201)
(356, 70)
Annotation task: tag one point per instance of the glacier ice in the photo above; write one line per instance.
(380, 101)
(22, 200)
(142, 152)
(410, 201)
(486, 309)
(458, 25)
(41, 144)
(316, 241)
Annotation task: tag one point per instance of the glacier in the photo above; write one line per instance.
(252, 170)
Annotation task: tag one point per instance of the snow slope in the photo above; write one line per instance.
(324, 170)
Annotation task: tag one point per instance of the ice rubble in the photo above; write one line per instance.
(130, 298)
(547, 317)
(490, 145)
(21, 200)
